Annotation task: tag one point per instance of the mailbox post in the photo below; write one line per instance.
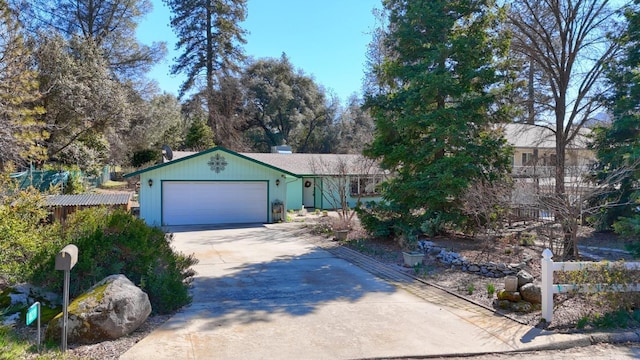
(65, 260)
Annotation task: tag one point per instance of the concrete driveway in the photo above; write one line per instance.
(267, 292)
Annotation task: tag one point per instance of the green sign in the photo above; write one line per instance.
(32, 313)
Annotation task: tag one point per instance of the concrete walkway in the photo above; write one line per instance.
(275, 292)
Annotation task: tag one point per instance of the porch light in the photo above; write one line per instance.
(150, 182)
(277, 182)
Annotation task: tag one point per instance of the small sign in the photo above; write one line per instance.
(32, 313)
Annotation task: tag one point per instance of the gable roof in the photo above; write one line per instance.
(301, 164)
(179, 156)
(533, 136)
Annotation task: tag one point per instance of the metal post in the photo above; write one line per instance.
(65, 310)
(38, 325)
(547, 285)
(65, 260)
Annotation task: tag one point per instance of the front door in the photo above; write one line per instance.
(308, 193)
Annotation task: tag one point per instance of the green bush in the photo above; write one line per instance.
(74, 185)
(115, 242)
(22, 233)
(378, 219)
(629, 228)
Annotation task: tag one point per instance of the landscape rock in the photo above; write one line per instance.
(112, 308)
(513, 296)
(531, 293)
(522, 306)
(22, 296)
(524, 278)
(504, 304)
(489, 269)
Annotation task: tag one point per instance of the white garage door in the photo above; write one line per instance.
(207, 202)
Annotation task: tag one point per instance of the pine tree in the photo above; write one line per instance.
(435, 119)
(618, 146)
(21, 131)
(209, 37)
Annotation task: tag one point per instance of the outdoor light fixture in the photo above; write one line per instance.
(150, 182)
(277, 182)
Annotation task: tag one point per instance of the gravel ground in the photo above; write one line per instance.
(106, 350)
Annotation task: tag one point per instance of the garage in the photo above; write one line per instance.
(214, 186)
(214, 202)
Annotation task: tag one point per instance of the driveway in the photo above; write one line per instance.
(270, 292)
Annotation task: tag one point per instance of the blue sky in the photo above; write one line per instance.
(325, 39)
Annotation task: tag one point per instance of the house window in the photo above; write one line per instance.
(527, 159)
(365, 185)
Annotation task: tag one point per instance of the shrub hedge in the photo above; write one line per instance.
(115, 242)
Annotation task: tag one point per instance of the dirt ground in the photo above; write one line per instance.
(499, 249)
(517, 244)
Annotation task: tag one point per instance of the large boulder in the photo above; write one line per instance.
(110, 309)
(524, 278)
(531, 293)
(513, 296)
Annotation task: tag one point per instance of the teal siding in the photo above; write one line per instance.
(325, 204)
(198, 169)
(294, 193)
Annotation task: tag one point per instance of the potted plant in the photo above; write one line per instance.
(412, 256)
(341, 229)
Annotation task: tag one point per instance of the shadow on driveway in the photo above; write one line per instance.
(287, 285)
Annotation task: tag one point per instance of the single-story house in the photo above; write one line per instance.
(220, 186)
(61, 206)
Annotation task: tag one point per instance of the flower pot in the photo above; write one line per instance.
(412, 258)
(341, 234)
(511, 283)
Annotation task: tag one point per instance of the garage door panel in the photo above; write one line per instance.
(206, 202)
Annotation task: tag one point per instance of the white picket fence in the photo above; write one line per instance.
(549, 288)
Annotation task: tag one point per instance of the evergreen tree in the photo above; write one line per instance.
(109, 24)
(209, 37)
(21, 131)
(618, 146)
(199, 137)
(436, 110)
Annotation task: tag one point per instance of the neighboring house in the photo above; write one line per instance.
(220, 186)
(535, 151)
(534, 162)
(61, 206)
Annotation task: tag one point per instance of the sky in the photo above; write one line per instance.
(326, 39)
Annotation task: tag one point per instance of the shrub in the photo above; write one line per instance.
(75, 183)
(433, 225)
(115, 242)
(629, 228)
(22, 234)
(378, 219)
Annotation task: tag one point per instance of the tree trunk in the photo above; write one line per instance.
(211, 120)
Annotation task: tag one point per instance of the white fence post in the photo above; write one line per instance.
(547, 285)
